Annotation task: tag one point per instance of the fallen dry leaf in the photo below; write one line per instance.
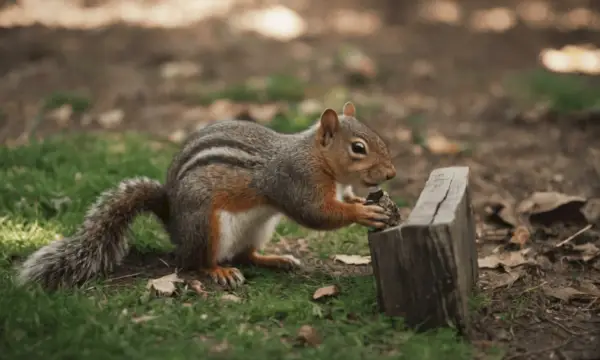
(165, 285)
(263, 114)
(551, 207)
(222, 109)
(521, 236)
(440, 145)
(231, 297)
(353, 259)
(509, 259)
(61, 115)
(591, 210)
(111, 119)
(308, 335)
(330, 290)
(310, 107)
(356, 61)
(143, 318)
(506, 279)
(589, 288)
(179, 69)
(178, 136)
(500, 210)
(565, 293)
(197, 286)
(588, 251)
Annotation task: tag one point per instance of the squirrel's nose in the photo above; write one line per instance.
(391, 173)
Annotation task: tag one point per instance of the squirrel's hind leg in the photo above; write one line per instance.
(198, 240)
(261, 235)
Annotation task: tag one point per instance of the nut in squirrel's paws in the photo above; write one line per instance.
(382, 199)
(226, 276)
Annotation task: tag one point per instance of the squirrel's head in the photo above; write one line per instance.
(355, 153)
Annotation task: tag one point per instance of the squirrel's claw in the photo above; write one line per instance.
(227, 276)
(372, 216)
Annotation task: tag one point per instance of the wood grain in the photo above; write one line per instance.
(426, 268)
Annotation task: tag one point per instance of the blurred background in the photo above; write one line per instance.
(506, 87)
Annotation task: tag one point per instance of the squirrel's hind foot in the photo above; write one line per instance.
(284, 262)
(226, 276)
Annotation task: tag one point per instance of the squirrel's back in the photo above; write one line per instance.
(236, 142)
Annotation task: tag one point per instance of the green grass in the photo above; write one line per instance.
(45, 189)
(563, 93)
(270, 89)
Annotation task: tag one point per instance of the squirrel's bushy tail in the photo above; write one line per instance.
(99, 244)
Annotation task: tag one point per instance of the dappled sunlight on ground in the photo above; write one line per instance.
(536, 14)
(276, 21)
(73, 14)
(571, 58)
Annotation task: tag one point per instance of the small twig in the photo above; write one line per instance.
(564, 328)
(534, 287)
(123, 277)
(590, 304)
(589, 226)
(539, 351)
(164, 262)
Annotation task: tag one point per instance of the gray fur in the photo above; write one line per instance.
(99, 244)
(277, 167)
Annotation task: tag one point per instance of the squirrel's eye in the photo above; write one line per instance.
(358, 148)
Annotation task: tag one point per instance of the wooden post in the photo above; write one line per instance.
(426, 268)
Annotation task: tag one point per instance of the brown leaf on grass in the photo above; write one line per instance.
(198, 287)
(330, 290)
(520, 236)
(500, 210)
(61, 115)
(551, 207)
(231, 297)
(165, 285)
(111, 119)
(143, 318)
(440, 145)
(509, 259)
(353, 259)
(307, 335)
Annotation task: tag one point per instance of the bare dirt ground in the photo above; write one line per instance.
(449, 74)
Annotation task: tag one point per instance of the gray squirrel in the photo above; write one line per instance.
(225, 192)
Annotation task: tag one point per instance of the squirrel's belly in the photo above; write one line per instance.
(241, 230)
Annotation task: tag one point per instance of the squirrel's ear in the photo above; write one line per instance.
(349, 109)
(329, 126)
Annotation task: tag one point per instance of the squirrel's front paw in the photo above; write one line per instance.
(371, 215)
(226, 276)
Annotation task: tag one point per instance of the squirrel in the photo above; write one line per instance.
(225, 192)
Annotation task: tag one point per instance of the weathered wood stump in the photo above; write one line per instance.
(426, 268)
